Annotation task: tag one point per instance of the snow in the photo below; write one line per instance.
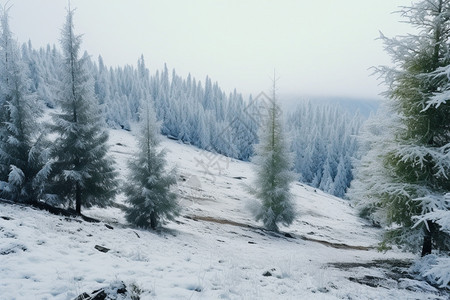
(436, 269)
(214, 250)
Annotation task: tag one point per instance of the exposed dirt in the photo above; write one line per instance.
(281, 234)
(70, 213)
(394, 269)
(220, 221)
(337, 245)
(395, 274)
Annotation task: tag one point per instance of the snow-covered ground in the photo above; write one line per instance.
(215, 250)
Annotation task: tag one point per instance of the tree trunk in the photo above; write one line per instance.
(427, 239)
(78, 199)
(153, 222)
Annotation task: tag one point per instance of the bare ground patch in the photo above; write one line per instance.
(394, 273)
(280, 234)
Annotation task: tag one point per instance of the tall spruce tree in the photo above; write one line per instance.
(273, 164)
(22, 154)
(417, 159)
(82, 171)
(148, 189)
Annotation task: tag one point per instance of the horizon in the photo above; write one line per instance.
(316, 51)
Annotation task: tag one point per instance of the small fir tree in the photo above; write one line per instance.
(82, 171)
(273, 164)
(148, 189)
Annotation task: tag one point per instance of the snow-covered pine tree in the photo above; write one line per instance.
(340, 180)
(148, 188)
(22, 154)
(322, 135)
(82, 170)
(418, 161)
(371, 178)
(273, 164)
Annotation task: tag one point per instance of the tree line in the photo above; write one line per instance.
(200, 113)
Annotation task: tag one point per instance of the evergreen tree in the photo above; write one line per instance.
(417, 158)
(340, 180)
(273, 172)
(21, 149)
(322, 135)
(326, 183)
(371, 177)
(82, 171)
(148, 188)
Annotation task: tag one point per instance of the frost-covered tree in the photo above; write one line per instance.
(83, 173)
(340, 180)
(417, 160)
(22, 154)
(371, 177)
(273, 164)
(324, 145)
(148, 188)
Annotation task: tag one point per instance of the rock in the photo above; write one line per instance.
(108, 293)
(267, 274)
(98, 295)
(12, 248)
(288, 235)
(101, 248)
(83, 296)
(323, 290)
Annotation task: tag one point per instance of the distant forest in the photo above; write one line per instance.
(323, 136)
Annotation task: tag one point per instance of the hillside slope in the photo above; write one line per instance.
(214, 251)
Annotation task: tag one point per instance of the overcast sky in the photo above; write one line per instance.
(318, 48)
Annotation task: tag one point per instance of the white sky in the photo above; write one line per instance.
(318, 48)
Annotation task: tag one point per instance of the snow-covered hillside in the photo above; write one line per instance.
(214, 251)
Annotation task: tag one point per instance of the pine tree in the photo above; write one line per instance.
(82, 171)
(371, 178)
(321, 135)
(326, 183)
(417, 158)
(340, 180)
(148, 189)
(273, 165)
(22, 144)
